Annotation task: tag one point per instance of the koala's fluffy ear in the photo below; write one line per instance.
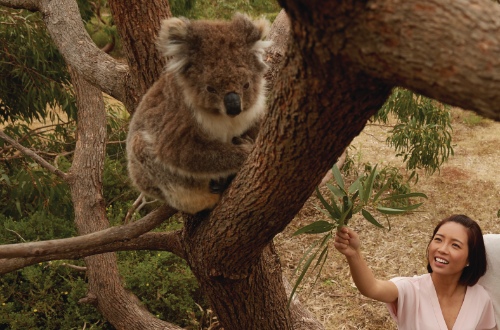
(172, 41)
(255, 32)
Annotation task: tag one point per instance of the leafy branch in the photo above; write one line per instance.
(344, 202)
(422, 134)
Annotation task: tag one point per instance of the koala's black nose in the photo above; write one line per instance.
(232, 103)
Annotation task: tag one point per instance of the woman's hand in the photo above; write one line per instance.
(347, 242)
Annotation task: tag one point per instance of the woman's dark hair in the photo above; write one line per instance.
(477, 252)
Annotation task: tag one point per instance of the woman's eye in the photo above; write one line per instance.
(212, 90)
(246, 85)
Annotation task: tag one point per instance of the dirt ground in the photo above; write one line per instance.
(469, 183)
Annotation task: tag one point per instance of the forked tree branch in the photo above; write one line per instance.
(65, 26)
(90, 242)
(169, 242)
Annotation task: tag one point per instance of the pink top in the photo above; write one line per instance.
(417, 307)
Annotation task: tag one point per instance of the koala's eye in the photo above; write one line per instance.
(246, 85)
(212, 90)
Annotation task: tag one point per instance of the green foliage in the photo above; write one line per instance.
(25, 187)
(472, 119)
(102, 29)
(33, 72)
(118, 193)
(39, 226)
(46, 296)
(397, 182)
(182, 7)
(225, 9)
(422, 134)
(43, 296)
(372, 191)
(28, 188)
(86, 8)
(164, 283)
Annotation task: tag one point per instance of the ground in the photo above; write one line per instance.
(469, 183)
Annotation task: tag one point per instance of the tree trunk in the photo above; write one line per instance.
(301, 135)
(138, 24)
(105, 290)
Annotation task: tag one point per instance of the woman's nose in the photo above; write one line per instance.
(443, 248)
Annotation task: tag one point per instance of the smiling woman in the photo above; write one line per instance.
(457, 239)
(446, 298)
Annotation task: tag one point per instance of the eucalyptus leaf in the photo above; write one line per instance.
(316, 227)
(405, 196)
(338, 176)
(381, 191)
(369, 185)
(321, 262)
(305, 268)
(411, 207)
(339, 192)
(332, 209)
(367, 215)
(389, 210)
(356, 186)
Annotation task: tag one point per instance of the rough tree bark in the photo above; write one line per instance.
(139, 43)
(343, 59)
(105, 289)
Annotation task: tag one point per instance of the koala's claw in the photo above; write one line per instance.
(217, 186)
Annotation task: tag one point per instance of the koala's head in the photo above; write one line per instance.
(218, 64)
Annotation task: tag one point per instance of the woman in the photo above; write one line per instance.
(446, 298)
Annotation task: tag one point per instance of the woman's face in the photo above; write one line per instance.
(449, 249)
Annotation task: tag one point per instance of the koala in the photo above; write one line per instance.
(194, 128)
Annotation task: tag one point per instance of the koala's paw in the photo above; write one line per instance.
(243, 139)
(244, 142)
(217, 186)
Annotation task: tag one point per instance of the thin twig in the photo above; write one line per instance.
(75, 267)
(16, 233)
(139, 203)
(30, 153)
(373, 136)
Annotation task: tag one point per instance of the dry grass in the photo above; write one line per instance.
(469, 183)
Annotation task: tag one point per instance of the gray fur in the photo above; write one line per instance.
(181, 138)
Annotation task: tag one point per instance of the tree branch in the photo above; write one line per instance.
(75, 267)
(32, 5)
(169, 242)
(280, 36)
(90, 241)
(65, 26)
(30, 153)
(447, 50)
(302, 318)
(292, 141)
